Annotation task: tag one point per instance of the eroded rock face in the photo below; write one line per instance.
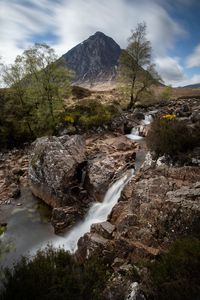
(63, 217)
(109, 157)
(53, 167)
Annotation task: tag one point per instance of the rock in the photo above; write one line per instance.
(14, 190)
(109, 160)
(195, 117)
(63, 217)
(19, 204)
(53, 167)
(18, 171)
(105, 229)
(117, 263)
(134, 292)
(89, 244)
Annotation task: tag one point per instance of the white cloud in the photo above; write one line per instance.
(19, 22)
(170, 70)
(74, 20)
(193, 60)
(187, 81)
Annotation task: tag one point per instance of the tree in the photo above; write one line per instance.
(135, 69)
(13, 77)
(166, 93)
(40, 83)
(50, 80)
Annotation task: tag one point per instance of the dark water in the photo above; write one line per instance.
(28, 226)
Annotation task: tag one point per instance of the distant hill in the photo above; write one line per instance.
(193, 86)
(94, 60)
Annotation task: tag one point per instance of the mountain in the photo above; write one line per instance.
(193, 86)
(94, 60)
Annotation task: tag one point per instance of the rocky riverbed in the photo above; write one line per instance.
(160, 204)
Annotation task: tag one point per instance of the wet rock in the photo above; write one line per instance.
(134, 292)
(109, 160)
(89, 244)
(63, 217)
(14, 190)
(105, 229)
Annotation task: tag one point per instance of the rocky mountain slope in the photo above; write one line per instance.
(94, 60)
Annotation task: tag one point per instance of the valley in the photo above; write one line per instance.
(99, 176)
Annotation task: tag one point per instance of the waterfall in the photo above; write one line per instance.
(147, 119)
(96, 214)
(135, 134)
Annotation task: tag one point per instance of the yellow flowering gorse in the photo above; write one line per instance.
(169, 117)
(69, 119)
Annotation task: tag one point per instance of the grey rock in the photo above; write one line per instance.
(105, 229)
(53, 166)
(63, 217)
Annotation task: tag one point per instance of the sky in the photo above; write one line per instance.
(173, 28)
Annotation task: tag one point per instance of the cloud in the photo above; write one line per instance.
(78, 19)
(193, 59)
(65, 23)
(72, 21)
(170, 70)
(19, 21)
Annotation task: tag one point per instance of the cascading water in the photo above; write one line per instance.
(96, 214)
(147, 119)
(135, 134)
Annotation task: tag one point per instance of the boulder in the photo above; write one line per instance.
(109, 159)
(105, 229)
(53, 168)
(63, 217)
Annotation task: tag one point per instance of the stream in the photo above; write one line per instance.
(29, 228)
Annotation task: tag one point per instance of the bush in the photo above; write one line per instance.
(176, 275)
(166, 93)
(54, 274)
(90, 113)
(170, 136)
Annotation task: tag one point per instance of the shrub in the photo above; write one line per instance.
(176, 275)
(54, 274)
(90, 113)
(166, 93)
(170, 136)
(69, 119)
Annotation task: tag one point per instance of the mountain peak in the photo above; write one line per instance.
(99, 33)
(94, 60)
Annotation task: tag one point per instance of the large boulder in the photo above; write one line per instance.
(53, 168)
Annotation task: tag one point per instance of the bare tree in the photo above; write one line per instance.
(135, 69)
